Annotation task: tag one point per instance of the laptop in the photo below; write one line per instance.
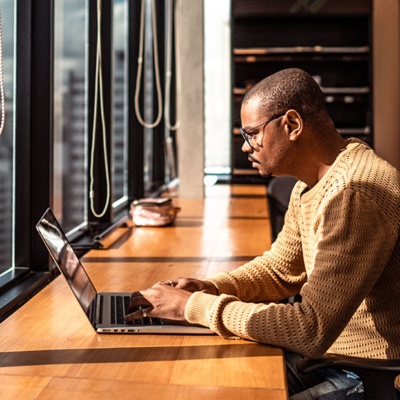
(105, 311)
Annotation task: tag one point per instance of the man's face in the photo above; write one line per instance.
(268, 152)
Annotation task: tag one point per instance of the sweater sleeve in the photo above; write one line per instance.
(354, 241)
(277, 274)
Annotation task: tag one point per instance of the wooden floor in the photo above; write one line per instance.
(48, 350)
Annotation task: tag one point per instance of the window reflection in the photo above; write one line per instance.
(7, 138)
(70, 105)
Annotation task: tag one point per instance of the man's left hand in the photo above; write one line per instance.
(160, 301)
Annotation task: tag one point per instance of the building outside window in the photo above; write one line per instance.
(70, 111)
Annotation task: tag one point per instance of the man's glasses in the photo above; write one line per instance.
(249, 137)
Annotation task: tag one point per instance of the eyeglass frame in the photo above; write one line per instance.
(248, 136)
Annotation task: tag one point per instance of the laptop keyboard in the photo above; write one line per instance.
(119, 308)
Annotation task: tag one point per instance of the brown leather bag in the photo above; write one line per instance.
(153, 211)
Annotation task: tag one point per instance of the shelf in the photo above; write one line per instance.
(343, 131)
(332, 41)
(354, 131)
(301, 50)
(302, 57)
(349, 90)
(326, 90)
(243, 171)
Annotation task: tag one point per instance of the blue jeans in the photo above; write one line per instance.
(322, 384)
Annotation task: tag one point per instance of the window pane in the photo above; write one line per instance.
(70, 105)
(120, 162)
(217, 84)
(7, 138)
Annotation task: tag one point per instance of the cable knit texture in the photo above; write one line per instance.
(339, 247)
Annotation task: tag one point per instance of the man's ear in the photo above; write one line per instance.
(293, 124)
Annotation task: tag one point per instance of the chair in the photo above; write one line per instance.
(278, 194)
(381, 378)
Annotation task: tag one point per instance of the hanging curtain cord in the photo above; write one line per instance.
(99, 98)
(140, 68)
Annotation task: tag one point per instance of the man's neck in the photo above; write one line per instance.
(320, 161)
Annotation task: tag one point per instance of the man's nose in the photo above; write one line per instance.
(246, 148)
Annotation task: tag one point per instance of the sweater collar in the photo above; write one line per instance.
(307, 193)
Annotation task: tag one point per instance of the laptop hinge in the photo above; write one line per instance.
(99, 309)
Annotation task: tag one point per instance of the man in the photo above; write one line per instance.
(339, 247)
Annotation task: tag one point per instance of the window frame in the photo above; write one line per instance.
(34, 102)
(32, 153)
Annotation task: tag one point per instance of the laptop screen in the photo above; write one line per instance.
(66, 260)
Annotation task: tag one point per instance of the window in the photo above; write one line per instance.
(217, 85)
(7, 138)
(49, 51)
(70, 111)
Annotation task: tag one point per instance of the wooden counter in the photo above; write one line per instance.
(48, 350)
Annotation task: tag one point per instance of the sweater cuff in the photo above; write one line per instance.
(197, 306)
(223, 283)
(206, 309)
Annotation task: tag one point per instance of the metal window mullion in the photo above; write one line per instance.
(34, 127)
(135, 129)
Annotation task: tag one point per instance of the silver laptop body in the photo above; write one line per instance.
(105, 311)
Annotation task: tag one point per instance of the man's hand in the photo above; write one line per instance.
(193, 285)
(167, 299)
(161, 301)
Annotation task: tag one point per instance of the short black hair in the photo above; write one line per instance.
(287, 89)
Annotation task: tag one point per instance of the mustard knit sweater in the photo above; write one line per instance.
(340, 249)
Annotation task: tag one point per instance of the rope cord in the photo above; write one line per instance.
(98, 97)
(156, 69)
